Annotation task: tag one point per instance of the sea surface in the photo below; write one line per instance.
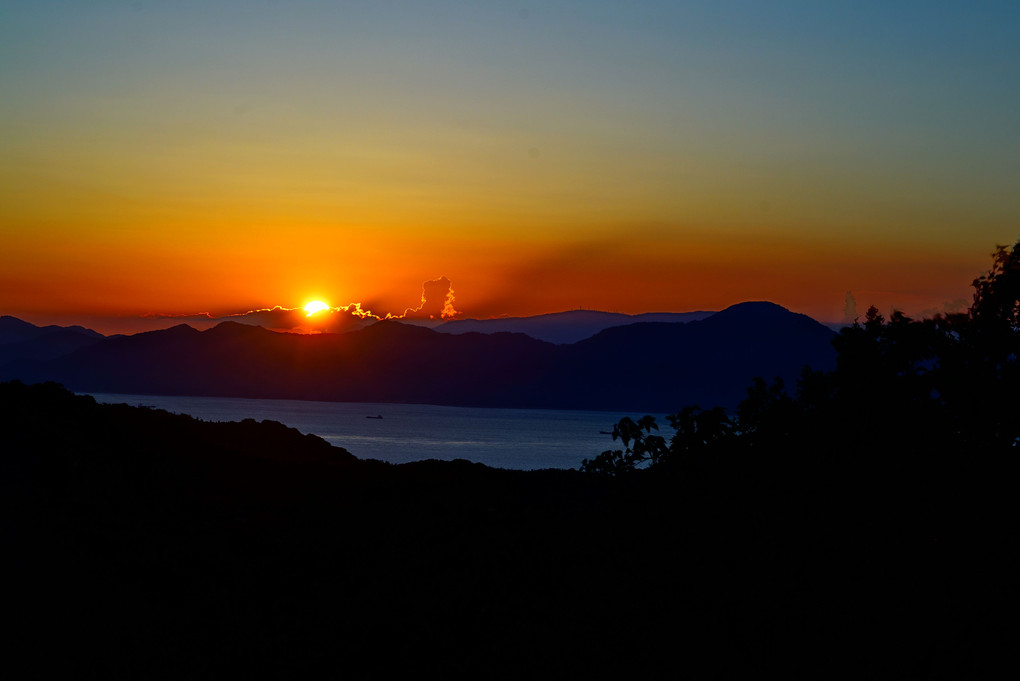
(523, 439)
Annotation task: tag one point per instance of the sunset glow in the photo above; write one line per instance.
(315, 306)
(165, 159)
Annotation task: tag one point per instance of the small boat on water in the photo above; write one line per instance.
(374, 417)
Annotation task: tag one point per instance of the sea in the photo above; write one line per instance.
(521, 439)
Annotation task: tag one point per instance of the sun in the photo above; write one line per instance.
(315, 306)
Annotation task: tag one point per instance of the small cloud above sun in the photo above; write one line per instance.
(315, 306)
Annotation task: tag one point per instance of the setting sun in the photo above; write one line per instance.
(315, 306)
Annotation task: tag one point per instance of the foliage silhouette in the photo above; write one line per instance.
(886, 487)
(640, 447)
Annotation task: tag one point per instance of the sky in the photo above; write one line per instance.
(210, 158)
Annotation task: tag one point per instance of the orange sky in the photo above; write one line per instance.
(217, 158)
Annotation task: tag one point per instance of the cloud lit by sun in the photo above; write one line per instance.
(315, 306)
(317, 316)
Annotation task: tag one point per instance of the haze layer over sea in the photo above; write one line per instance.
(523, 439)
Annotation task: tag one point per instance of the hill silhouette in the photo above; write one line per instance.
(249, 548)
(710, 361)
(146, 544)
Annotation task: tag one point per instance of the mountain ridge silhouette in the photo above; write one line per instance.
(650, 366)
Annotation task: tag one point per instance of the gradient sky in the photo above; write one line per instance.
(185, 157)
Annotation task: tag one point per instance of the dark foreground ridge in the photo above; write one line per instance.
(141, 544)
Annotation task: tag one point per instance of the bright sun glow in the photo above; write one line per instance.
(315, 306)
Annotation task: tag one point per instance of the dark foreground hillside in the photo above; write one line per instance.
(147, 545)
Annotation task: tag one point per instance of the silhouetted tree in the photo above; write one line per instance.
(996, 303)
(695, 430)
(641, 448)
(765, 418)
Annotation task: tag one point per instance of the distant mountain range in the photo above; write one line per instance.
(565, 327)
(645, 366)
(20, 340)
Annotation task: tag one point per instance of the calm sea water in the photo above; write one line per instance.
(522, 439)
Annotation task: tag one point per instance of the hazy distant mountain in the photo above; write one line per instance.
(22, 340)
(13, 330)
(649, 366)
(709, 362)
(565, 327)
